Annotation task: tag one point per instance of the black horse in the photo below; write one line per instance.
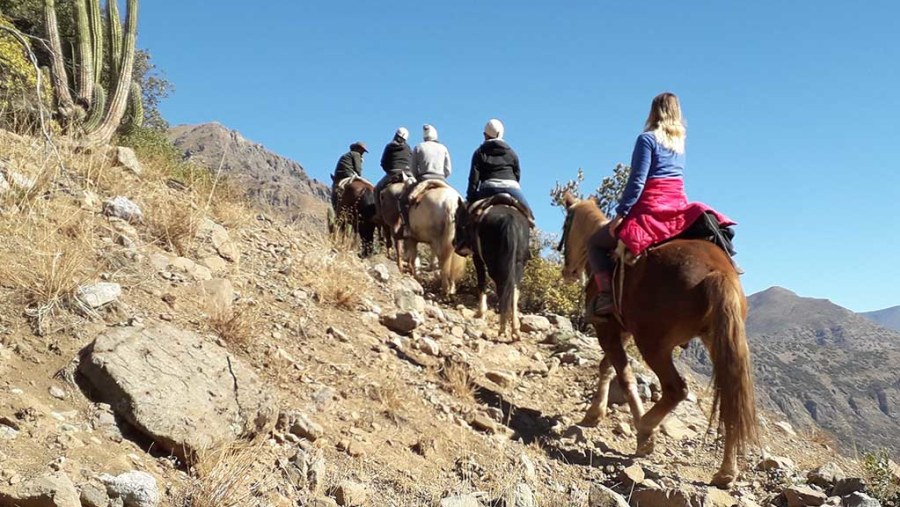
(501, 250)
(356, 205)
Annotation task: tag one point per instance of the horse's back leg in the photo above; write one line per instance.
(481, 275)
(597, 409)
(674, 391)
(410, 251)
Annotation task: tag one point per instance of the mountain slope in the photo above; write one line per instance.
(823, 365)
(889, 317)
(269, 179)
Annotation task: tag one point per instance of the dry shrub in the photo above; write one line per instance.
(228, 476)
(172, 224)
(45, 256)
(234, 326)
(337, 279)
(457, 381)
(388, 394)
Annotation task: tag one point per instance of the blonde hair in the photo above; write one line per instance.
(666, 122)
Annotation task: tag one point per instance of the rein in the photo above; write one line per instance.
(567, 225)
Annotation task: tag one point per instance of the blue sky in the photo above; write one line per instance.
(792, 107)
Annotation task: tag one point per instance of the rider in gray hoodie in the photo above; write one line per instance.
(430, 158)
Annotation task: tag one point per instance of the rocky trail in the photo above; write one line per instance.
(260, 363)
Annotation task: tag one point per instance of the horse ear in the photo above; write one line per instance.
(569, 199)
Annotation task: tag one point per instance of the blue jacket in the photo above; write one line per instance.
(650, 159)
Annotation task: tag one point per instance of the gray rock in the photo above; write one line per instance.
(561, 323)
(654, 497)
(381, 273)
(126, 158)
(843, 487)
(804, 496)
(57, 392)
(520, 496)
(4, 185)
(98, 294)
(601, 496)
(93, 495)
(407, 301)
(775, 463)
(51, 490)
(182, 391)
(403, 322)
(535, 323)
(349, 493)
(299, 424)
(825, 476)
(15, 180)
(411, 284)
(858, 499)
(429, 346)
(136, 489)
(460, 501)
(124, 208)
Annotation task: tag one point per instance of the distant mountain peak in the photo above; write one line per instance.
(889, 317)
(269, 178)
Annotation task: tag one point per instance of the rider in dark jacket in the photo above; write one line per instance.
(495, 168)
(350, 164)
(395, 161)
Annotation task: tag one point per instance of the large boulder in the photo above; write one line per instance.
(52, 490)
(182, 391)
(601, 496)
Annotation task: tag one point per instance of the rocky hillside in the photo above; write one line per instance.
(160, 348)
(824, 366)
(270, 179)
(889, 317)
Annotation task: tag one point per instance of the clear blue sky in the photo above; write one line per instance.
(792, 107)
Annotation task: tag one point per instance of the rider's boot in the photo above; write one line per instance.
(601, 305)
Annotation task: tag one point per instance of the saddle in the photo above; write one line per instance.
(479, 209)
(416, 192)
(342, 184)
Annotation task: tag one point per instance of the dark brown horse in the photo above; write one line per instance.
(674, 292)
(356, 213)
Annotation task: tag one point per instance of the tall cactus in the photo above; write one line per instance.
(102, 111)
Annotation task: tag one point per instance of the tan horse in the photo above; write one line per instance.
(677, 291)
(432, 220)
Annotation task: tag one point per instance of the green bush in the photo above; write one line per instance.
(544, 291)
(153, 147)
(19, 105)
(880, 478)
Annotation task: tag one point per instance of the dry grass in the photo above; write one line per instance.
(456, 380)
(388, 395)
(46, 256)
(173, 226)
(228, 476)
(235, 327)
(338, 279)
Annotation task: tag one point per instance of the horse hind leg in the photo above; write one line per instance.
(515, 315)
(481, 275)
(597, 410)
(674, 391)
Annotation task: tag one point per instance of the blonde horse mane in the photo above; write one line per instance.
(586, 218)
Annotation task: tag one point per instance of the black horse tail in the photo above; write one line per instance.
(513, 248)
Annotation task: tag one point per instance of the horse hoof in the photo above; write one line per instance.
(723, 480)
(591, 420)
(645, 446)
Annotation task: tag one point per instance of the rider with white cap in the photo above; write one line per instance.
(431, 159)
(495, 168)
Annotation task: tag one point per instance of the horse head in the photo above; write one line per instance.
(583, 218)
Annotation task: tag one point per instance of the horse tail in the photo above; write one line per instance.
(509, 251)
(733, 397)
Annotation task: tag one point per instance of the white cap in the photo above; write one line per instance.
(494, 129)
(429, 133)
(402, 132)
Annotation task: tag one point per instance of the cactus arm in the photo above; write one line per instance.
(60, 77)
(84, 69)
(115, 35)
(117, 105)
(96, 21)
(97, 109)
(136, 105)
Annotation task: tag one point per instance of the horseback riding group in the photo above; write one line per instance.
(660, 271)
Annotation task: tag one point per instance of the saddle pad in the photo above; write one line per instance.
(479, 208)
(418, 191)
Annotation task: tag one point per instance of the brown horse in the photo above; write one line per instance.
(356, 212)
(390, 217)
(674, 292)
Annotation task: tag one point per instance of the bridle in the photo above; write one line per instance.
(567, 225)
